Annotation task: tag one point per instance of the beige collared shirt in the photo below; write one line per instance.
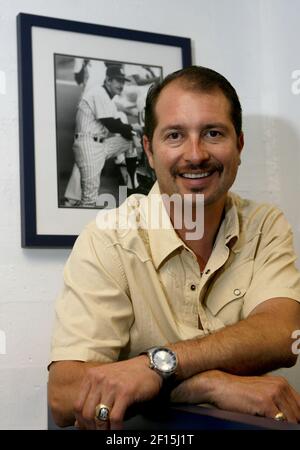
(128, 289)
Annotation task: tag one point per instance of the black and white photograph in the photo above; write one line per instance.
(99, 123)
(82, 94)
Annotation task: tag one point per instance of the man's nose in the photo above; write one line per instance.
(196, 151)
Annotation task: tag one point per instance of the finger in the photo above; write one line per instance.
(296, 396)
(84, 422)
(107, 399)
(93, 398)
(81, 423)
(281, 401)
(285, 408)
(287, 404)
(118, 412)
(271, 411)
(84, 389)
(102, 425)
(293, 405)
(282, 406)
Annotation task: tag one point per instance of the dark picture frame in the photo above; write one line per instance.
(43, 222)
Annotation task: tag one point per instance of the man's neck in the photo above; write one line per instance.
(108, 91)
(213, 216)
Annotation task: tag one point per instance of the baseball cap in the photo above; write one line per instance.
(116, 72)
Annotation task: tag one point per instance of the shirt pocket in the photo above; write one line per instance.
(225, 297)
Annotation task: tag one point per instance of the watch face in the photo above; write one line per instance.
(164, 360)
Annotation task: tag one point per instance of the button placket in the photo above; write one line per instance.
(190, 309)
(203, 319)
(192, 288)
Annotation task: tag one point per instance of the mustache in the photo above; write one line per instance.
(215, 166)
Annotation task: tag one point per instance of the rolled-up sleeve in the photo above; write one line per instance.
(93, 314)
(274, 272)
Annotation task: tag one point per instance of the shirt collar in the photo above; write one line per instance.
(111, 96)
(231, 220)
(164, 242)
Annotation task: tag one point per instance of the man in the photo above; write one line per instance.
(99, 133)
(213, 313)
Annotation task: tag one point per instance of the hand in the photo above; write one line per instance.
(262, 395)
(117, 385)
(129, 110)
(257, 395)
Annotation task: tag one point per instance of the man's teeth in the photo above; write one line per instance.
(195, 175)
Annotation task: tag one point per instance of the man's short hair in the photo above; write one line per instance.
(116, 72)
(195, 78)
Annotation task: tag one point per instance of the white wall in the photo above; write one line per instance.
(254, 43)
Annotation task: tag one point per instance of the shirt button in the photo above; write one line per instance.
(193, 287)
(207, 271)
(237, 292)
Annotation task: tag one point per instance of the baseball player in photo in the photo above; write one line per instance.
(99, 133)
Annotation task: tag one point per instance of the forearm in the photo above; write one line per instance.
(257, 395)
(65, 378)
(255, 345)
(116, 126)
(197, 389)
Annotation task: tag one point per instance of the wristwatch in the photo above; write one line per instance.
(163, 360)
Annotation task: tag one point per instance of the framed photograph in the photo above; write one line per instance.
(82, 89)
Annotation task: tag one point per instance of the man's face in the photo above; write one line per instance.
(115, 85)
(195, 148)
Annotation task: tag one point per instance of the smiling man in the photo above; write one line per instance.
(145, 308)
(196, 145)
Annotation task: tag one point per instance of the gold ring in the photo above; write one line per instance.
(102, 412)
(280, 417)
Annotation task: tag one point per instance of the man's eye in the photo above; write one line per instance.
(174, 136)
(213, 133)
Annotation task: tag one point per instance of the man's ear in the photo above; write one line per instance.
(240, 142)
(148, 150)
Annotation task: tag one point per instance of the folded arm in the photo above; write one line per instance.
(211, 367)
(257, 395)
(258, 344)
(75, 389)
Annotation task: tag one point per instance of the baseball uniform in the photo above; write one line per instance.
(93, 143)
